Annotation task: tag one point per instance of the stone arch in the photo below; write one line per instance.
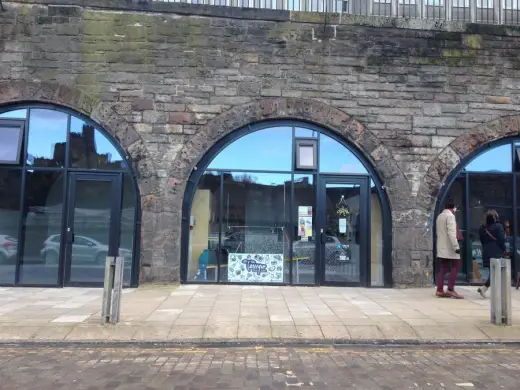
(457, 151)
(18, 91)
(312, 111)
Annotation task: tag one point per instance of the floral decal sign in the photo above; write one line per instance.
(255, 268)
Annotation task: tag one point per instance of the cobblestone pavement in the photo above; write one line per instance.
(148, 368)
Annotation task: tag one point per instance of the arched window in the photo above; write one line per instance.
(486, 180)
(67, 199)
(255, 214)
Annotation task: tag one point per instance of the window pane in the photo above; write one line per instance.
(10, 143)
(10, 181)
(267, 149)
(128, 226)
(42, 214)
(47, 138)
(306, 156)
(305, 133)
(304, 244)
(203, 255)
(90, 149)
(498, 159)
(255, 222)
(376, 240)
(488, 192)
(16, 114)
(336, 158)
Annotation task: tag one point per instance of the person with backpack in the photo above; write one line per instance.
(493, 240)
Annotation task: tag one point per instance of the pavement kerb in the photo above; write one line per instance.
(244, 343)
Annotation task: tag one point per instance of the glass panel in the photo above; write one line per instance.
(267, 150)
(91, 227)
(203, 255)
(10, 182)
(306, 156)
(305, 133)
(304, 244)
(342, 225)
(127, 226)
(376, 240)
(16, 114)
(336, 158)
(43, 216)
(10, 141)
(457, 195)
(47, 138)
(488, 192)
(90, 149)
(498, 159)
(255, 222)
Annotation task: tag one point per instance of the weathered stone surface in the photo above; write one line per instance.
(168, 86)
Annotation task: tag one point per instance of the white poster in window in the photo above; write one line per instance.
(304, 221)
(342, 225)
(255, 268)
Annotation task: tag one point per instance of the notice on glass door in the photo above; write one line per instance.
(304, 221)
(342, 225)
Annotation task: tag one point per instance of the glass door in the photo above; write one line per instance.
(93, 229)
(344, 236)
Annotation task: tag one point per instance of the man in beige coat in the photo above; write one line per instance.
(448, 250)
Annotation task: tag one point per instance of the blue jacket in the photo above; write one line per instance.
(492, 247)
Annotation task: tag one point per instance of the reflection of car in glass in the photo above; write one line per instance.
(83, 249)
(8, 248)
(335, 251)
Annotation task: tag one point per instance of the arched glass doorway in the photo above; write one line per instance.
(68, 198)
(488, 179)
(285, 202)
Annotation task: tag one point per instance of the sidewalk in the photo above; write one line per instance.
(252, 313)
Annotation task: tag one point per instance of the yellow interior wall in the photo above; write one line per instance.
(201, 210)
(376, 233)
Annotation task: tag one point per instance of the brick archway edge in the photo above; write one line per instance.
(312, 111)
(458, 150)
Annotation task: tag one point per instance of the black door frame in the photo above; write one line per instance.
(364, 245)
(116, 180)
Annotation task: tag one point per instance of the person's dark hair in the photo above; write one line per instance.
(449, 205)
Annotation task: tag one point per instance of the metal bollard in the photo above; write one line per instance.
(501, 291)
(112, 290)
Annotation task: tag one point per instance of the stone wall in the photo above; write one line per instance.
(168, 80)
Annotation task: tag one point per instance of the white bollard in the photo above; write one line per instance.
(500, 272)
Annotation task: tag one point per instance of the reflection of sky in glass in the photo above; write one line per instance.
(103, 145)
(16, 114)
(498, 159)
(267, 149)
(301, 132)
(334, 157)
(46, 129)
(270, 179)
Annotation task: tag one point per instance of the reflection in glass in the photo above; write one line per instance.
(10, 144)
(498, 159)
(47, 138)
(376, 240)
(488, 192)
(127, 226)
(90, 149)
(204, 233)
(91, 227)
(305, 133)
(10, 181)
(343, 233)
(336, 158)
(43, 216)
(255, 222)
(268, 150)
(15, 114)
(304, 242)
